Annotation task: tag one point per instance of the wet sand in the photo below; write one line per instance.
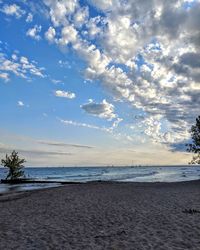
(103, 216)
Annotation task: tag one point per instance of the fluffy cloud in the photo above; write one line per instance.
(59, 10)
(102, 110)
(19, 66)
(69, 35)
(145, 53)
(81, 17)
(13, 10)
(50, 34)
(34, 32)
(104, 5)
(65, 94)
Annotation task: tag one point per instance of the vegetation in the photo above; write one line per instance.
(15, 166)
(194, 147)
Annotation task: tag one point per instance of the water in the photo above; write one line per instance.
(85, 174)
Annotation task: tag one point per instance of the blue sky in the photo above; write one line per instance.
(99, 82)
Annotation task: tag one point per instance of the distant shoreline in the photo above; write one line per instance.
(114, 166)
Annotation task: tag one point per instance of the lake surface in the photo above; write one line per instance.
(85, 174)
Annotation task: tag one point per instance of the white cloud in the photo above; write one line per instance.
(81, 17)
(175, 133)
(20, 103)
(50, 34)
(94, 26)
(29, 18)
(19, 66)
(55, 81)
(65, 94)
(143, 52)
(4, 76)
(14, 57)
(85, 125)
(103, 110)
(60, 10)
(104, 4)
(117, 122)
(64, 64)
(13, 10)
(34, 32)
(69, 35)
(24, 60)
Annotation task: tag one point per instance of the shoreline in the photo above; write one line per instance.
(66, 183)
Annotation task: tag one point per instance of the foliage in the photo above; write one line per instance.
(194, 147)
(15, 166)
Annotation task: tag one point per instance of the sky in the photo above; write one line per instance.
(99, 82)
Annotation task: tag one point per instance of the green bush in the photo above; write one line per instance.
(15, 166)
(194, 147)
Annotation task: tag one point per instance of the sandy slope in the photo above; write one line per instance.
(103, 216)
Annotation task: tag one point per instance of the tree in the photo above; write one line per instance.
(194, 147)
(15, 166)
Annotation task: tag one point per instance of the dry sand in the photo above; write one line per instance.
(102, 216)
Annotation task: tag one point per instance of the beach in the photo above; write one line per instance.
(103, 215)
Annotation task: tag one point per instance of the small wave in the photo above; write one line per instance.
(129, 176)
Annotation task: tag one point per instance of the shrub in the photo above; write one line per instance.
(15, 166)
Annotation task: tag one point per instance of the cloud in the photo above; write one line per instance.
(34, 32)
(20, 103)
(62, 144)
(144, 53)
(33, 152)
(59, 10)
(44, 155)
(20, 66)
(69, 35)
(94, 27)
(190, 59)
(4, 76)
(13, 10)
(111, 130)
(103, 110)
(65, 94)
(64, 64)
(104, 5)
(81, 16)
(29, 18)
(50, 34)
(85, 125)
(56, 81)
(116, 122)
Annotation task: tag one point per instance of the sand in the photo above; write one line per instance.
(103, 216)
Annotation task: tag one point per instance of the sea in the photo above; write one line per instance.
(86, 174)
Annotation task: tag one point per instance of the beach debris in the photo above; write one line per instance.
(123, 232)
(191, 211)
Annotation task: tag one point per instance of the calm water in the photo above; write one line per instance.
(123, 174)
